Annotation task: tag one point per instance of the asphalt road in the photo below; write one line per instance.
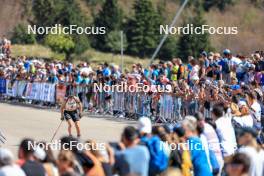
(18, 122)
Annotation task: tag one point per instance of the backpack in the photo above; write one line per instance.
(158, 159)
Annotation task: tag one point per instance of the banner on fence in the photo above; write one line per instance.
(20, 88)
(2, 86)
(33, 91)
(47, 93)
(60, 93)
(11, 88)
(40, 91)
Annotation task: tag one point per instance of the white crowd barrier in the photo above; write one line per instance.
(131, 104)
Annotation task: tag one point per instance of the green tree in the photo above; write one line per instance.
(169, 49)
(94, 2)
(194, 44)
(60, 43)
(113, 41)
(21, 36)
(45, 12)
(208, 4)
(143, 29)
(220, 4)
(109, 17)
(64, 12)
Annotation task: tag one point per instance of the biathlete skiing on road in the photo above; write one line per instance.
(71, 111)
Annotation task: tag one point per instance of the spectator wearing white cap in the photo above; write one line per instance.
(144, 126)
(158, 155)
(45, 156)
(7, 166)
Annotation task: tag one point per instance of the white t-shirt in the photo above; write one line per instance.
(234, 61)
(244, 121)
(226, 134)
(257, 108)
(86, 70)
(195, 72)
(256, 160)
(11, 170)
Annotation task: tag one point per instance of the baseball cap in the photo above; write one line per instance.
(6, 156)
(39, 153)
(144, 125)
(226, 51)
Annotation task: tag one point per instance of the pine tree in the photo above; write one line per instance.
(209, 4)
(194, 44)
(169, 49)
(143, 29)
(220, 4)
(64, 12)
(45, 12)
(20, 35)
(110, 17)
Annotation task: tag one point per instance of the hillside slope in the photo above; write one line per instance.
(248, 18)
(10, 14)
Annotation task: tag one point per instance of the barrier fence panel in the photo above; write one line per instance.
(131, 104)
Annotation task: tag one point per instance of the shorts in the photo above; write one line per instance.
(71, 115)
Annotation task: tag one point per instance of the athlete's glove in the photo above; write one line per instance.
(80, 115)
